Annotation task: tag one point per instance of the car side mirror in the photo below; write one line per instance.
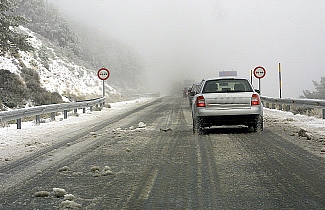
(258, 91)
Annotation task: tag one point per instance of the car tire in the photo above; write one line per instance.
(194, 126)
(258, 125)
(261, 123)
(197, 126)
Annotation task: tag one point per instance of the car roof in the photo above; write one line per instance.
(218, 78)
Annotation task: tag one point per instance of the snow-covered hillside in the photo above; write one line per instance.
(61, 75)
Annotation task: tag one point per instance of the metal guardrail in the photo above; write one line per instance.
(45, 109)
(288, 103)
(146, 95)
(269, 102)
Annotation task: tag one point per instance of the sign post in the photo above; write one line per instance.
(259, 72)
(103, 74)
(280, 81)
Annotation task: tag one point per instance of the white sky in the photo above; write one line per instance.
(190, 39)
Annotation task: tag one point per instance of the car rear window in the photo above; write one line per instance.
(227, 85)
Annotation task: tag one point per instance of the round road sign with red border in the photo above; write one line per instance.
(103, 74)
(259, 72)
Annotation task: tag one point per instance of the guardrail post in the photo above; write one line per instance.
(83, 110)
(75, 110)
(280, 106)
(288, 107)
(273, 106)
(19, 123)
(65, 113)
(46, 109)
(323, 113)
(38, 121)
(52, 116)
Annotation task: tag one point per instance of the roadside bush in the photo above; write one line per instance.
(301, 110)
(13, 92)
(42, 54)
(39, 95)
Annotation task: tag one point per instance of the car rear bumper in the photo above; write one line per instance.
(204, 112)
(247, 120)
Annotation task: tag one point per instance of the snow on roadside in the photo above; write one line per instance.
(309, 123)
(18, 142)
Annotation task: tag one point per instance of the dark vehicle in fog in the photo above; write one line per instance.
(193, 91)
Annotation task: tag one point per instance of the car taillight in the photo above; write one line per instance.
(200, 102)
(255, 99)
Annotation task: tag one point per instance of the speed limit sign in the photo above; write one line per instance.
(103, 74)
(259, 72)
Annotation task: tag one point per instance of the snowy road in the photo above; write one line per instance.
(146, 157)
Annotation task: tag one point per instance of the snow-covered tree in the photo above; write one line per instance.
(44, 19)
(320, 90)
(10, 39)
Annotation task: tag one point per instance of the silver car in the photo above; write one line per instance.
(226, 101)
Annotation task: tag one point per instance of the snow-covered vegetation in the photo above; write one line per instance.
(44, 60)
(58, 74)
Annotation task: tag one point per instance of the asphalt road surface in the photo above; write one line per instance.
(116, 165)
